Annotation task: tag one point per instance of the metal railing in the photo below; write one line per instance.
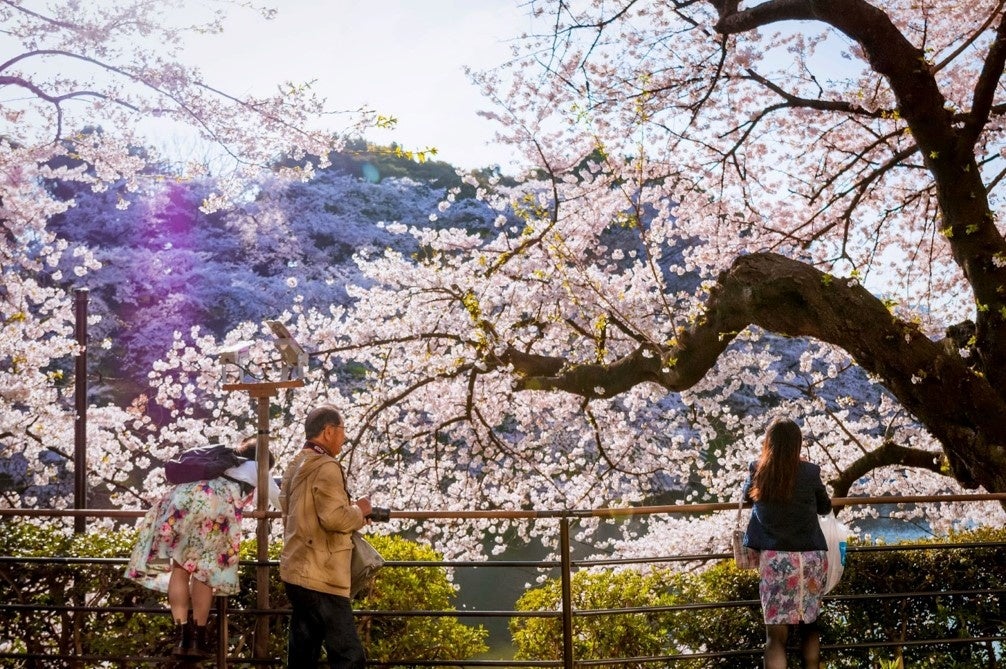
(567, 614)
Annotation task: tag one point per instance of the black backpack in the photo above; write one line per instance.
(201, 464)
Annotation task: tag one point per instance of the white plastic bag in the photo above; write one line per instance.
(836, 534)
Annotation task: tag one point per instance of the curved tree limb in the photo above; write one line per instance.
(886, 455)
(792, 298)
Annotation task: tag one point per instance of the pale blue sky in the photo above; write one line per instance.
(403, 58)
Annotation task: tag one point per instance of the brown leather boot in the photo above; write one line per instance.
(183, 640)
(200, 643)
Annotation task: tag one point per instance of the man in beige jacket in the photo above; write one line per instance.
(318, 519)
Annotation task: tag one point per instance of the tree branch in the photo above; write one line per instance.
(887, 454)
(988, 82)
(791, 298)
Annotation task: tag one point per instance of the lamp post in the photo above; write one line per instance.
(291, 375)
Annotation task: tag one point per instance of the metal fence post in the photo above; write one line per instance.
(80, 410)
(222, 634)
(567, 594)
(262, 530)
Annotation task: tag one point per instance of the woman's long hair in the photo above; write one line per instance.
(775, 474)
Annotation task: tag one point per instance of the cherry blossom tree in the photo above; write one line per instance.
(808, 182)
(713, 182)
(819, 150)
(69, 68)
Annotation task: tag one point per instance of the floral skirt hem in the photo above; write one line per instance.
(792, 585)
(196, 525)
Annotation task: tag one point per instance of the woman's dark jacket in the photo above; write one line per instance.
(791, 525)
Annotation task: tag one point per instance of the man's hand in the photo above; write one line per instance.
(364, 504)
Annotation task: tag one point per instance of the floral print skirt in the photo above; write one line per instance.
(198, 526)
(791, 585)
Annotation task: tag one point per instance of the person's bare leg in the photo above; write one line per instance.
(810, 645)
(178, 601)
(202, 600)
(775, 646)
(178, 594)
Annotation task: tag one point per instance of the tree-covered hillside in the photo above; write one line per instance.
(167, 266)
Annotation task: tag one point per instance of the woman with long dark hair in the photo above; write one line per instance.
(788, 496)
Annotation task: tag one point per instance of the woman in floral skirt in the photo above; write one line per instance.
(788, 496)
(188, 543)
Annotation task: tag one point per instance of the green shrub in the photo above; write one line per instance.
(61, 585)
(734, 634)
(415, 588)
(386, 638)
(686, 629)
(143, 627)
(726, 630)
(882, 618)
(597, 637)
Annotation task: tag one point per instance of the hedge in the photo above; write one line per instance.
(139, 624)
(728, 631)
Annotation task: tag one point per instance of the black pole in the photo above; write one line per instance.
(80, 409)
(567, 594)
(262, 532)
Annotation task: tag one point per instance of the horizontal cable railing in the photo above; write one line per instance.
(567, 614)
